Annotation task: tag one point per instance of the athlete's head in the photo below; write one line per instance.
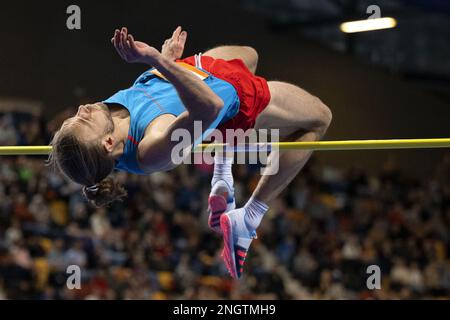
(82, 150)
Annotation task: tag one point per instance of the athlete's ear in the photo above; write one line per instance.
(108, 143)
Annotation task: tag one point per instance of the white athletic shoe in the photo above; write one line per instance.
(221, 200)
(236, 239)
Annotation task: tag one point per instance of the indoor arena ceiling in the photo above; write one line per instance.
(417, 49)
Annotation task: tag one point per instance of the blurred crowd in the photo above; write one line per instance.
(316, 242)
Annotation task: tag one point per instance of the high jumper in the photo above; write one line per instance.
(132, 129)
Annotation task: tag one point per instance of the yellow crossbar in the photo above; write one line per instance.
(317, 146)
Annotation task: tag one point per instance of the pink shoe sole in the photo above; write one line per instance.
(217, 205)
(228, 245)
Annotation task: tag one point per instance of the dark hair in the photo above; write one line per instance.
(88, 164)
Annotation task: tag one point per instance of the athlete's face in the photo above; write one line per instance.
(92, 121)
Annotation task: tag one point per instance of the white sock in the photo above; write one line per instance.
(222, 170)
(254, 212)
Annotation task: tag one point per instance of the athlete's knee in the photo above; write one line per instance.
(252, 56)
(252, 52)
(325, 116)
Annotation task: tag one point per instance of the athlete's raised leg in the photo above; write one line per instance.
(299, 116)
(248, 54)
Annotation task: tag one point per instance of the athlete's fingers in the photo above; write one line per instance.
(120, 43)
(116, 37)
(182, 38)
(119, 52)
(117, 44)
(124, 35)
(132, 43)
(176, 33)
(125, 32)
(123, 41)
(128, 43)
(165, 44)
(120, 47)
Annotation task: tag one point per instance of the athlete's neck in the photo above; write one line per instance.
(120, 134)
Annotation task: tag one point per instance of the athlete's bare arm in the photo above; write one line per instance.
(201, 103)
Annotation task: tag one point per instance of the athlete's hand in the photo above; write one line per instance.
(131, 50)
(173, 48)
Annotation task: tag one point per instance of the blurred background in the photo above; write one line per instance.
(345, 211)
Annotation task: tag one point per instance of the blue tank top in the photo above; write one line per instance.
(151, 96)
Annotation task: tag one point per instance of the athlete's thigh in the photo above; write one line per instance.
(245, 53)
(290, 109)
